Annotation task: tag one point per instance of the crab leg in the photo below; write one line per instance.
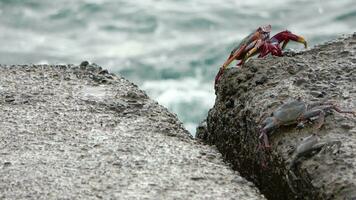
(264, 136)
(327, 103)
(308, 146)
(254, 50)
(270, 48)
(319, 111)
(263, 133)
(338, 109)
(231, 58)
(333, 106)
(313, 113)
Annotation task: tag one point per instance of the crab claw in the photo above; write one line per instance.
(286, 36)
(302, 40)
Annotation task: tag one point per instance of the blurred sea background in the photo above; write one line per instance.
(170, 48)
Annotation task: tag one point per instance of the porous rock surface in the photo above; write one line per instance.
(70, 132)
(326, 72)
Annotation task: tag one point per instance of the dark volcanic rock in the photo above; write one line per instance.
(78, 132)
(323, 73)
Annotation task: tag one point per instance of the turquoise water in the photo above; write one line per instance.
(170, 48)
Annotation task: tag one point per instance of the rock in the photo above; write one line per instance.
(82, 138)
(202, 131)
(300, 81)
(261, 80)
(326, 175)
(347, 125)
(317, 94)
(291, 69)
(84, 64)
(9, 98)
(102, 72)
(345, 94)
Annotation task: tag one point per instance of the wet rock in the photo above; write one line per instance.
(329, 174)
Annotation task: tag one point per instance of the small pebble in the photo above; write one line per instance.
(291, 70)
(345, 94)
(300, 81)
(263, 79)
(317, 94)
(105, 71)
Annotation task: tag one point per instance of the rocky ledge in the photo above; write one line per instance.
(326, 72)
(79, 132)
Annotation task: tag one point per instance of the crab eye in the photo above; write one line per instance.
(266, 35)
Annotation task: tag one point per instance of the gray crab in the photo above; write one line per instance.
(297, 112)
(308, 146)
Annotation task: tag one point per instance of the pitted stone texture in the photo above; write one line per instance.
(326, 72)
(69, 132)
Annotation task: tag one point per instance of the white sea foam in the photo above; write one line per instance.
(182, 90)
(188, 96)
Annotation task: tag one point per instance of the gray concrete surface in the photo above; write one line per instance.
(70, 132)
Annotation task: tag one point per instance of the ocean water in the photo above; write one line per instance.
(170, 48)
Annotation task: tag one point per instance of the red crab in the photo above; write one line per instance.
(259, 42)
